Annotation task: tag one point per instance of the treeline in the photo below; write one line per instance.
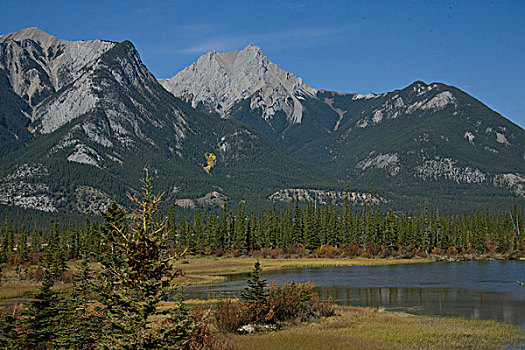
(295, 229)
(368, 231)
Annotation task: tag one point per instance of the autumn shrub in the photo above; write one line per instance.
(384, 252)
(327, 251)
(372, 249)
(229, 316)
(352, 250)
(438, 251)
(491, 246)
(294, 300)
(265, 252)
(235, 252)
(276, 253)
(219, 252)
(207, 250)
(297, 249)
(469, 250)
(203, 336)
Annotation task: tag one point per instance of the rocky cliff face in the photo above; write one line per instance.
(218, 81)
(92, 115)
(103, 83)
(38, 64)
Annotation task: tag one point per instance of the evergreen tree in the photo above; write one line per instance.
(138, 276)
(256, 289)
(79, 326)
(38, 325)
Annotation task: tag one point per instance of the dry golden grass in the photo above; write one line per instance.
(364, 328)
(9, 290)
(202, 270)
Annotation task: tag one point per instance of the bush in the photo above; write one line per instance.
(276, 253)
(327, 251)
(271, 305)
(229, 316)
(297, 300)
(290, 302)
(203, 337)
(297, 249)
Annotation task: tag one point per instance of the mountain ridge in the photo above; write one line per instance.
(83, 130)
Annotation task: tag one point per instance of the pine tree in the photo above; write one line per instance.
(256, 289)
(297, 234)
(138, 275)
(38, 325)
(79, 326)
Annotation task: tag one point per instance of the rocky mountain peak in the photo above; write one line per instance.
(33, 33)
(219, 80)
(38, 64)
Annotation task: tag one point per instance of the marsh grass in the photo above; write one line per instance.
(10, 290)
(365, 328)
(203, 270)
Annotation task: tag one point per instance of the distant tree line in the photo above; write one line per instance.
(295, 229)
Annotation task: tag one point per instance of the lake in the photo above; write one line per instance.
(477, 290)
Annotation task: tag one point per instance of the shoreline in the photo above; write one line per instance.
(367, 328)
(207, 270)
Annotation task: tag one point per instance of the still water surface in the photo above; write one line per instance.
(478, 290)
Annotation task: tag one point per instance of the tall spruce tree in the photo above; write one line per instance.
(138, 275)
(38, 324)
(256, 289)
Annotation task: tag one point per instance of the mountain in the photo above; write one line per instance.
(83, 119)
(80, 121)
(424, 143)
(244, 85)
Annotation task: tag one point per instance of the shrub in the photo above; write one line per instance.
(265, 252)
(297, 249)
(327, 251)
(229, 316)
(235, 252)
(207, 250)
(276, 253)
(203, 337)
(373, 249)
(352, 250)
(297, 300)
(219, 252)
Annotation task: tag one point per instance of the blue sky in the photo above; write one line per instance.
(350, 46)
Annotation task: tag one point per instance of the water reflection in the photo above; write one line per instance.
(477, 290)
(433, 301)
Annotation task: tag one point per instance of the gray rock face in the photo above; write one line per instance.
(324, 197)
(63, 80)
(220, 80)
(38, 64)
